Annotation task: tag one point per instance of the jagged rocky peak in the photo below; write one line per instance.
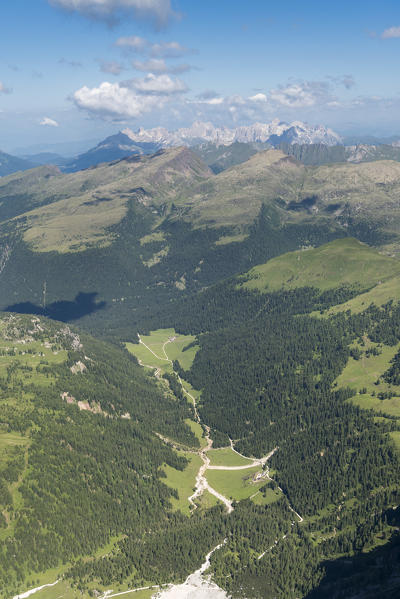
(274, 132)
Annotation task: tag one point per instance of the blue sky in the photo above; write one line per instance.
(82, 69)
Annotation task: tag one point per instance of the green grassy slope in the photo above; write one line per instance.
(234, 196)
(84, 204)
(66, 212)
(341, 262)
(359, 197)
(219, 158)
(364, 374)
(378, 295)
(235, 484)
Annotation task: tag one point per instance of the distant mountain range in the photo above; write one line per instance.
(274, 133)
(219, 147)
(148, 141)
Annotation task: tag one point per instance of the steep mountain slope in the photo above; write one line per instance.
(114, 147)
(359, 196)
(317, 154)
(234, 196)
(72, 214)
(219, 158)
(344, 262)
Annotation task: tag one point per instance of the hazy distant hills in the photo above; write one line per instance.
(42, 158)
(114, 147)
(11, 164)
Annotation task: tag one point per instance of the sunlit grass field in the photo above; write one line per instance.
(183, 481)
(364, 373)
(227, 457)
(234, 484)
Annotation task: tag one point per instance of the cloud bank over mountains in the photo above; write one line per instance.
(159, 90)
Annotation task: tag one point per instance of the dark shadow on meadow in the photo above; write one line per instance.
(63, 310)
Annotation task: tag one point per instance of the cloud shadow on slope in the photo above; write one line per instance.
(63, 310)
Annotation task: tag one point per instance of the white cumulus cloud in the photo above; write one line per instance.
(47, 122)
(212, 101)
(259, 98)
(157, 11)
(391, 32)
(115, 100)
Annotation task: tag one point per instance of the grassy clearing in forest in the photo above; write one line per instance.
(266, 496)
(194, 392)
(364, 373)
(197, 430)
(344, 261)
(227, 457)
(225, 239)
(152, 237)
(234, 484)
(395, 435)
(391, 407)
(207, 500)
(146, 358)
(29, 357)
(378, 295)
(183, 481)
(157, 342)
(9, 440)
